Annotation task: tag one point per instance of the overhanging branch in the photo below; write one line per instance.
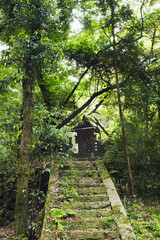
(97, 106)
(75, 113)
(75, 87)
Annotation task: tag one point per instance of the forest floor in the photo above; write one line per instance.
(144, 217)
(7, 232)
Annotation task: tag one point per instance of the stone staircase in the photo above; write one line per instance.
(78, 206)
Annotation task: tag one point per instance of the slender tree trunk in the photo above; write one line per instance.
(21, 208)
(153, 40)
(120, 107)
(158, 103)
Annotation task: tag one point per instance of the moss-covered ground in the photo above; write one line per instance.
(144, 217)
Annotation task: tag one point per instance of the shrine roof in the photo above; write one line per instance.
(85, 125)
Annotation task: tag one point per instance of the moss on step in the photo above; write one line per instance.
(77, 165)
(70, 190)
(102, 170)
(88, 235)
(84, 180)
(91, 191)
(85, 224)
(86, 184)
(82, 198)
(86, 205)
(87, 173)
(107, 212)
(84, 195)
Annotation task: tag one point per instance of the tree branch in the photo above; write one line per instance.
(90, 65)
(75, 113)
(97, 106)
(75, 87)
(99, 124)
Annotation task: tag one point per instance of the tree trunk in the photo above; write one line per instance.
(120, 107)
(21, 208)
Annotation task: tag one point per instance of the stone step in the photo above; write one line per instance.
(85, 166)
(90, 235)
(74, 190)
(77, 164)
(86, 224)
(85, 205)
(82, 198)
(81, 184)
(91, 190)
(82, 173)
(106, 212)
(79, 179)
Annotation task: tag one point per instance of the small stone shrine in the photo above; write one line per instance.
(88, 146)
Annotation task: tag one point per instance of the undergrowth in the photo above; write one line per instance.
(145, 218)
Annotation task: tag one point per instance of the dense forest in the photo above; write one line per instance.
(66, 59)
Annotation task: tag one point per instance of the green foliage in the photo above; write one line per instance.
(20, 237)
(145, 163)
(107, 223)
(10, 108)
(49, 139)
(38, 186)
(59, 214)
(144, 218)
(37, 30)
(68, 190)
(10, 111)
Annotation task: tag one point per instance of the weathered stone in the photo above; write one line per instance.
(86, 224)
(82, 198)
(78, 165)
(80, 185)
(90, 180)
(106, 212)
(86, 196)
(83, 173)
(80, 190)
(124, 226)
(91, 190)
(88, 235)
(87, 205)
(87, 184)
(48, 225)
(70, 179)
